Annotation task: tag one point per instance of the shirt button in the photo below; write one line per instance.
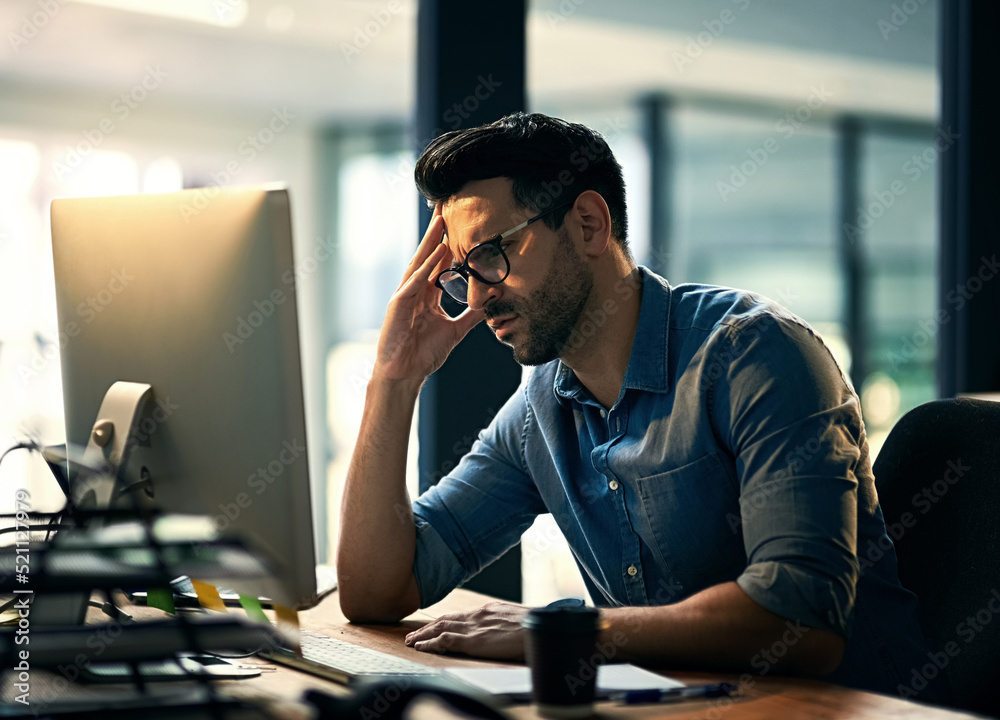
(603, 413)
(613, 484)
(632, 570)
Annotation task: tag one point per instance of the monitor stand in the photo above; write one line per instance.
(107, 449)
(107, 445)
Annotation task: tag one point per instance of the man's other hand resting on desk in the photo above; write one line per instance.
(698, 446)
(719, 628)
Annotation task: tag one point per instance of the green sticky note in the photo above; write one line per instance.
(161, 598)
(253, 608)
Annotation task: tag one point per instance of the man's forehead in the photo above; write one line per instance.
(473, 218)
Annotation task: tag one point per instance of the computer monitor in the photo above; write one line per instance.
(194, 294)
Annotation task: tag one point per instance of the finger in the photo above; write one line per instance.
(435, 262)
(430, 630)
(468, 320)
(456, 623)
(430, 242)
(422, 278)
(443, 643)
(446, 261)
(435, 230)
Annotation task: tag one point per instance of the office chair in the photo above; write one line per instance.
(941, 464)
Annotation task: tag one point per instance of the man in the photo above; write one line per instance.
(698, 446)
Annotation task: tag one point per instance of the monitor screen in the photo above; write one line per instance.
(195, 296)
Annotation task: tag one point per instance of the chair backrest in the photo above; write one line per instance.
(938, 482)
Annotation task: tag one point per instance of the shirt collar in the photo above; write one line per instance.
(647, 365)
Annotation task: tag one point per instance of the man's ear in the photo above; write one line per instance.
(595, 222)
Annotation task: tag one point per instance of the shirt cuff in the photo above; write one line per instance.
(798, 595)
(435, 566)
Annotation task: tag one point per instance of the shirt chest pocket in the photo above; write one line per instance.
(692, 519)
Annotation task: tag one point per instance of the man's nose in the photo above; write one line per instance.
(480, 294)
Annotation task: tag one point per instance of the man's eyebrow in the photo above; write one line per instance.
(465, 254)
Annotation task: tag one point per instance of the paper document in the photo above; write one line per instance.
(514, 683)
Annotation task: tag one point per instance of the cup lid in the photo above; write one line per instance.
(562, 619)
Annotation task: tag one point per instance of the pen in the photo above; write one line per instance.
(692, 692)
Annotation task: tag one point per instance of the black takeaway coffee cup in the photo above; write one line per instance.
(559, 644)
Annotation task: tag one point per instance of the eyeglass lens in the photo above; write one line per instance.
(486, 261)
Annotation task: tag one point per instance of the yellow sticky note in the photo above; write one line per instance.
(288, 623)
(208, 596)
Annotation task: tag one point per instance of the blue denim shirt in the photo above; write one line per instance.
(735, 452)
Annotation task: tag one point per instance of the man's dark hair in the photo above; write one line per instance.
(549, 162)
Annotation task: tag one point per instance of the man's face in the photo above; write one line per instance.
(536, 308)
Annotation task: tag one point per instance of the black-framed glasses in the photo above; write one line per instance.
(487, 262)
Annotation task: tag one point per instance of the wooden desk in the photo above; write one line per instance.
(768, 698)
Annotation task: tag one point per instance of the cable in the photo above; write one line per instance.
(52, 463)
(35, 528)
(9, 604)
(24, 445)
(112, 611)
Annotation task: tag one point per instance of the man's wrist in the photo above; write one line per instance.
(395, 388)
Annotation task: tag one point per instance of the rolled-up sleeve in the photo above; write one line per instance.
(479, 510)
(794, 426)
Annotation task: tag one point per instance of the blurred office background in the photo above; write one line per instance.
(783, 146)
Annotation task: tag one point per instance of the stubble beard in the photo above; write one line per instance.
(552, 311)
